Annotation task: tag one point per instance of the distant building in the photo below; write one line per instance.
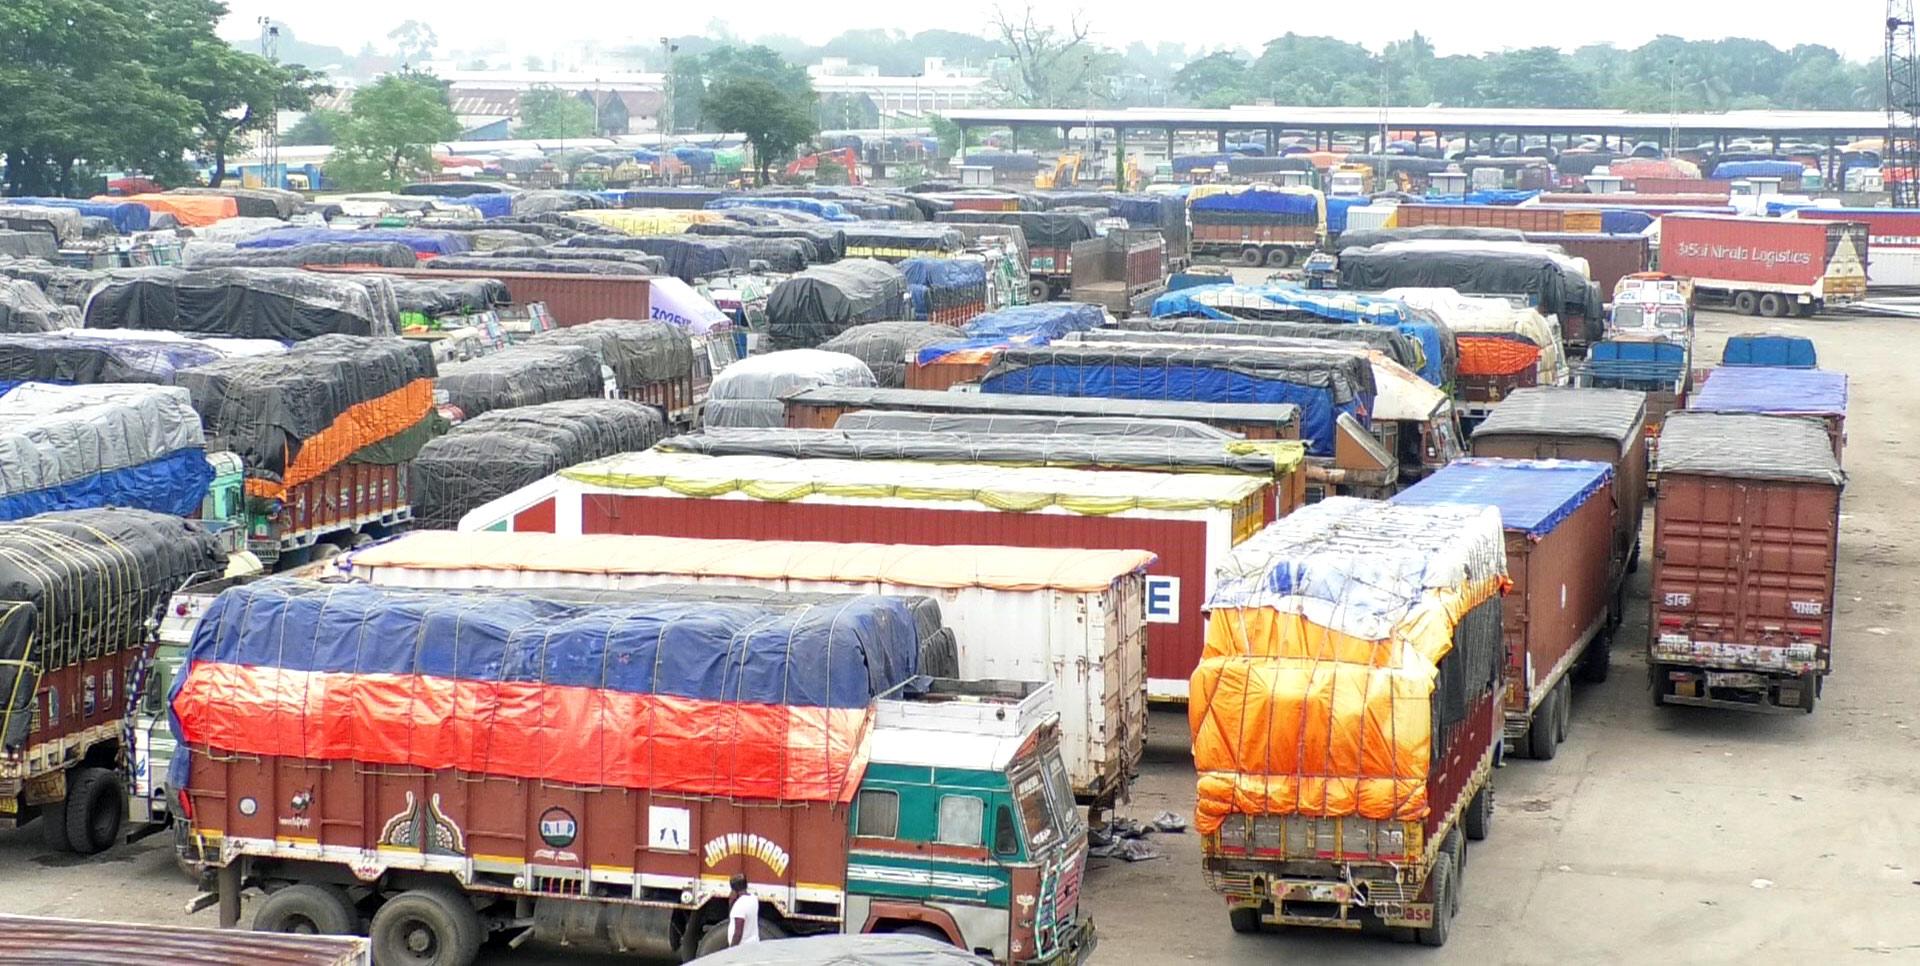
(623, 102)
(938, 87)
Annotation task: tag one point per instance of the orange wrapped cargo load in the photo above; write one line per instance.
(191, 211)
(1345, 643)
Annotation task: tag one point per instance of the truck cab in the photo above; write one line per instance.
(964, 827)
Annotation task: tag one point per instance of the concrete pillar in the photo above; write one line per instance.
(1169, 145)
(1220, 141)
(1833, 164)
(1013, 132)
(1119, 158)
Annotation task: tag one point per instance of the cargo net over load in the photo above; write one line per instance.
(1346, 647)
(752, 700)
(496, 453)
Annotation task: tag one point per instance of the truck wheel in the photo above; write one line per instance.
(1633, 558)
(720, 932)
(96, 810)
(308, 910)
(1745, 303)
(1807, 310)
(1245, 920)
(1565, 710)
(53, 826)
(1252, 257)
(1774, 305)
(1479, 818)
(1598, 661)
(1441, 889)
(426, 927)
(1542, 742)
(1038, 291)
(1280, 258)
(1456, 846)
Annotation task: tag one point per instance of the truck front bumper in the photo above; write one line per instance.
(1074, 950)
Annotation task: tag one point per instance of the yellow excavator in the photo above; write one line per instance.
(1065, 173)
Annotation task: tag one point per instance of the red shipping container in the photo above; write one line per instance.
(571, 299)
(1190, 521)
(1756, 251)
(1610, 258)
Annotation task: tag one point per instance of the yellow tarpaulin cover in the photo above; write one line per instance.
(1000, 568)
(649, 221)
(1324, 632)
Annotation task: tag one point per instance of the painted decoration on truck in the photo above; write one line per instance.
(722, 847)
(429, 831)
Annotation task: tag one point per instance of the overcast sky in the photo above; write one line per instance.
(1854, 27)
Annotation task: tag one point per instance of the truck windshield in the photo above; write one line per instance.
(1031, 790)
(1627, 316)
(1673, 319)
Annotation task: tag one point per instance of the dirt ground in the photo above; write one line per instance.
(1657, 835)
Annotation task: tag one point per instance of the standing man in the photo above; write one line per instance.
(743, 914)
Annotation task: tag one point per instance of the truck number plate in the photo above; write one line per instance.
(1314, 892)
(1807, 608)
(1735, 679)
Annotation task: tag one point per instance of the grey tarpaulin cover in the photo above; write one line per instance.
(380, 254)
(638, 352)
(85, 582)
(495, 239)
(64, 224)
(928, 400)
(25, 308)
(230, 230)
(1615, 414)
(1477, 268)
(490, 263)
(900, 239)
(245, 303)
(266, 407)
(1750, 447)
(1365, 237)
(829, 242)
(869, 950)
(543, 230)
(1044, 229)
(28, 244)
(687, 257)
(748, 393)
(496, 453)
(885, 346)
(53, 436)
(1105, 452)
(446, 296)
(522, 375)
(1397, 346)
(64, 285)
(527, 203)
(1027, 423)
(555, 253)
(825, 300)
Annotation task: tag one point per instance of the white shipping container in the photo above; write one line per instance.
(1069, 617)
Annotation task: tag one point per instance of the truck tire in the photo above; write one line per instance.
(1565, 710)
(1479, 818)
(1542, 741)
(1038, 290)
(1598, 661)
(96, 810)
(426, 927)
(1279, 258)
(53, 826)
(1807, 310)
(719, 933)
(1456, 846)
(1252, 257)
(1774, 305)
(1745, 303)
(307, 909)
(1244, 920)
(1441, 889)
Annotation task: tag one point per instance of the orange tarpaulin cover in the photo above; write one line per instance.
(361, 425)
(191, 211)
(1496, 356)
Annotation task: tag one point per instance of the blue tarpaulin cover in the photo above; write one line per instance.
(1198, 162)
(499, 205)
(1031, 325)
(421, 241)
(174, 484)
(126, 216)
(683, 198)
(1531, 495)
(1258, 200)
(1489, 196)
(819, 208)
(1337, 211)
(1624, 221)
(1767, 389)
(935, 282)
(1729, 170)
(1206, 301)
(1784, 351)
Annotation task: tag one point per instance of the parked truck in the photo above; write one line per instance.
(1767, 266)
(1563, 606)
(1746, 539)
(853, 795)
(822, 406)
(1814, 393)
(1258, 224)
(1893, 241)
(1313, 812)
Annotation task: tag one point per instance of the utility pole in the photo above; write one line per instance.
(270, 139)
(1900, 159)
(667, 49)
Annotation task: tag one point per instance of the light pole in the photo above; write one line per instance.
(1673, 107)
(667, 49)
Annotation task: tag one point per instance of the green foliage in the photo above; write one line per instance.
(390, 131)
(839, 112)
(689, 89)
(1216, 80)
(315, 127)
(546, 112)
(774, 119)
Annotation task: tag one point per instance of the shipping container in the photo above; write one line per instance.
(31, 939)
(570, 299)
(1746, 538)
(1893, 241)
(1815, 393)
(1527, 218)
(1560, 612)
(1685, 187)
(1637, 201)
(1072, 618)
(1568, 423)
(1767, 266)
(1610, 258)
(1189, 521)
(820, 407)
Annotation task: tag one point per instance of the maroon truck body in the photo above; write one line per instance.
(1610, 258)
(572, 299)
(820, 408)
(350, 496)
(1528, 219)
(1561, 601)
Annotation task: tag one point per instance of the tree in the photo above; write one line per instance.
(689, 89)
(413, 40)
(734, 63)
(390, 131)
(1216, 80)
(1049, 63)
(774, 121)
(315, 127)
(546, 112)
(235, 93)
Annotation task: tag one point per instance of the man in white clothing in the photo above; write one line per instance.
(743, 914)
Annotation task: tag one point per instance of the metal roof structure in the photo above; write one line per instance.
(1582, 121)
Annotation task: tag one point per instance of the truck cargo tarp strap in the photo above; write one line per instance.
(695, 697)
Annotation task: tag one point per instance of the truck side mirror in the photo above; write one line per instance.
(1006, 838)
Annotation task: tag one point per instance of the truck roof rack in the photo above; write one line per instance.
(998, 708)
